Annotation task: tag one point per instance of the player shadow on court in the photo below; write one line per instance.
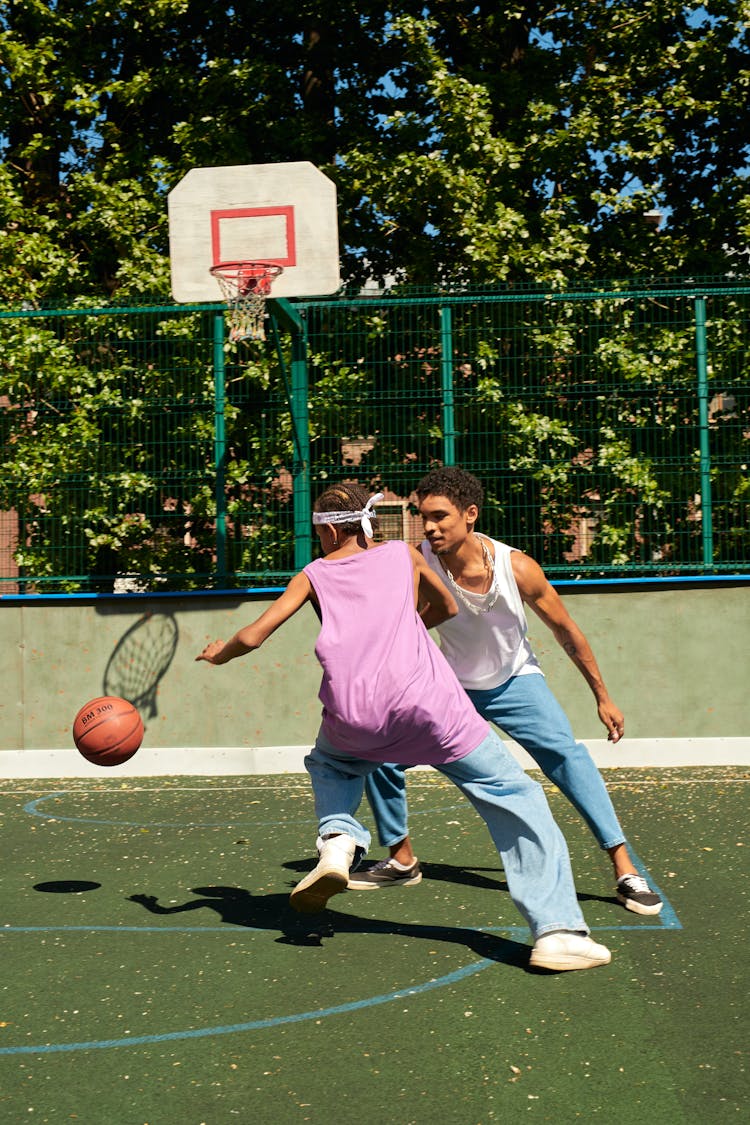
(464, 876)
(439, 872)
(238, 907)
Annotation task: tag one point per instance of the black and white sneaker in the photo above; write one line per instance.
(635, 894)
(385, 873)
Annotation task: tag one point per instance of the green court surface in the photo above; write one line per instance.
(153, 973)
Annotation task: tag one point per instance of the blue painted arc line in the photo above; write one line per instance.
(672, 923)
(251, 1025)
(521, 932)
(32, 808)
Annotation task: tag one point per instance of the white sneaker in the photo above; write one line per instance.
(563, 949)
(329, 877)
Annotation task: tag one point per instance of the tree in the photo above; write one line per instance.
(529, 142)
(475, 146)
(512, 143)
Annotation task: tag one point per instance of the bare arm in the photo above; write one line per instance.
(252, 636)
(434, 600)
(537, 593)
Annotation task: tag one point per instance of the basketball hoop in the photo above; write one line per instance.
(245, 286)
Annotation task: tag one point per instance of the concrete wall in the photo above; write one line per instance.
(675, 661)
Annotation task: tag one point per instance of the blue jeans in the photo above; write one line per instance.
(525, 708)
(514, 808)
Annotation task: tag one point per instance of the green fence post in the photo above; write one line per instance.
(293, 318)
(705, 449)
(220, 444)
(446, 379)
(300, 423)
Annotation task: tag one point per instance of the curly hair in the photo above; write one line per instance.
(345, 498)
(453, 482)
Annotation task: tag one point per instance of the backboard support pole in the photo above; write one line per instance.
(220, 449)
(285, 313)
(301, 425)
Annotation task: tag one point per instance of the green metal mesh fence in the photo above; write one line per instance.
(141, 451)
(108, 424)
(605, 444)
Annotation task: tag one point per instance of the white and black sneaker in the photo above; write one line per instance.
(635, 894)
(385, 873)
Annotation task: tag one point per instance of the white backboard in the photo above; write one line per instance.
(281, 213)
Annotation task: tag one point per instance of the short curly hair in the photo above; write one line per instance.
(453, 482)
(345, 498)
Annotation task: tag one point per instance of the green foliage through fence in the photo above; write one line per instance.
(610, 428)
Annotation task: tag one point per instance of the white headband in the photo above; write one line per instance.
(350, 517)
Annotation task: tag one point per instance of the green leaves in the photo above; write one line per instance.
(514, 143)
(473, 145)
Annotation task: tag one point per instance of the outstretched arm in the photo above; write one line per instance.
(434, 600)
(252, 636)
(537, 593)
(151, 903)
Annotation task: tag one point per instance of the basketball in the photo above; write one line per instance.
(108, 730)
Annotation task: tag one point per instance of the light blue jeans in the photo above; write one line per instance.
(525, 708)
(514, 808)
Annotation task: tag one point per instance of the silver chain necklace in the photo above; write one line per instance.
(494, 589)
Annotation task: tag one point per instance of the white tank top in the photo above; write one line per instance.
(485, 649)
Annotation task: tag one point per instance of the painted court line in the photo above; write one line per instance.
(270, 1022)
(667, 920)
(251, 1025)
(33, 809)
(671, 923)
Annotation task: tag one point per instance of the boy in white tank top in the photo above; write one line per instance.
(488, 649)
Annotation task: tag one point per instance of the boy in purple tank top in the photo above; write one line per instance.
(389, 695)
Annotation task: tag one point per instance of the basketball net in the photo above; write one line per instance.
(245, 286)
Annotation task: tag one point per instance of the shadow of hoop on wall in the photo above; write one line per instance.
(140, 660)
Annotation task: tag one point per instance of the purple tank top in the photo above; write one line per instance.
(388, 693)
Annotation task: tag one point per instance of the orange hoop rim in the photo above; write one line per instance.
(246, 276)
